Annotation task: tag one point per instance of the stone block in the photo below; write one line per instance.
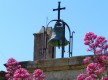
(60, 62)
(76, 60)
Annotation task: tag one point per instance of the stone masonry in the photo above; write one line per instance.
(58, 69)
(42, 50)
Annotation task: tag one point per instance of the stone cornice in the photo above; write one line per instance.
(59, 64)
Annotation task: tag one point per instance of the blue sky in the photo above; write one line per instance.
(19, 19)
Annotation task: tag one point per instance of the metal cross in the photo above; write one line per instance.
(58, 9)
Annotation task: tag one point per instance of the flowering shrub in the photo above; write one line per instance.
(15, 72)
(97, 64)
(12, 66)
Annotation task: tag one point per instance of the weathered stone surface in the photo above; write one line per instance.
(63, 75)
(40, 44)
(76, 60)
(58, 69)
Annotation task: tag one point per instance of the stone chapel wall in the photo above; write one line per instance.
(58, 69)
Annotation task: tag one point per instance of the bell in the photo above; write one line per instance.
(57, 34)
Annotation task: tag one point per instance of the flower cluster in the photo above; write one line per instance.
(97, 64)
(87, 60)
(38, 75)
(84, 77)
(97, 44)
(12, 65)
(105, 77)
(21, 74)
(81, 76)
(15, 72)
(95, 68)
(89, 38)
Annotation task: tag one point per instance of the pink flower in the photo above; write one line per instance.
(96, 44)
(21, 74)
(98, 51)
(81, 76)
(38, 74)
(100, 41)
(89, 78)
(12, 65)
(106, 46)
(99, 46)
(93, 76)
(87, 42)
(86, 60)
(94, 70)
(102, 60)
(91, 68)
(90, 36)
(100, 70)
(92, 45)
(105, 77)
(7, 75)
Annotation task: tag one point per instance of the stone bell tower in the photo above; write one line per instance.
(41, 48)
